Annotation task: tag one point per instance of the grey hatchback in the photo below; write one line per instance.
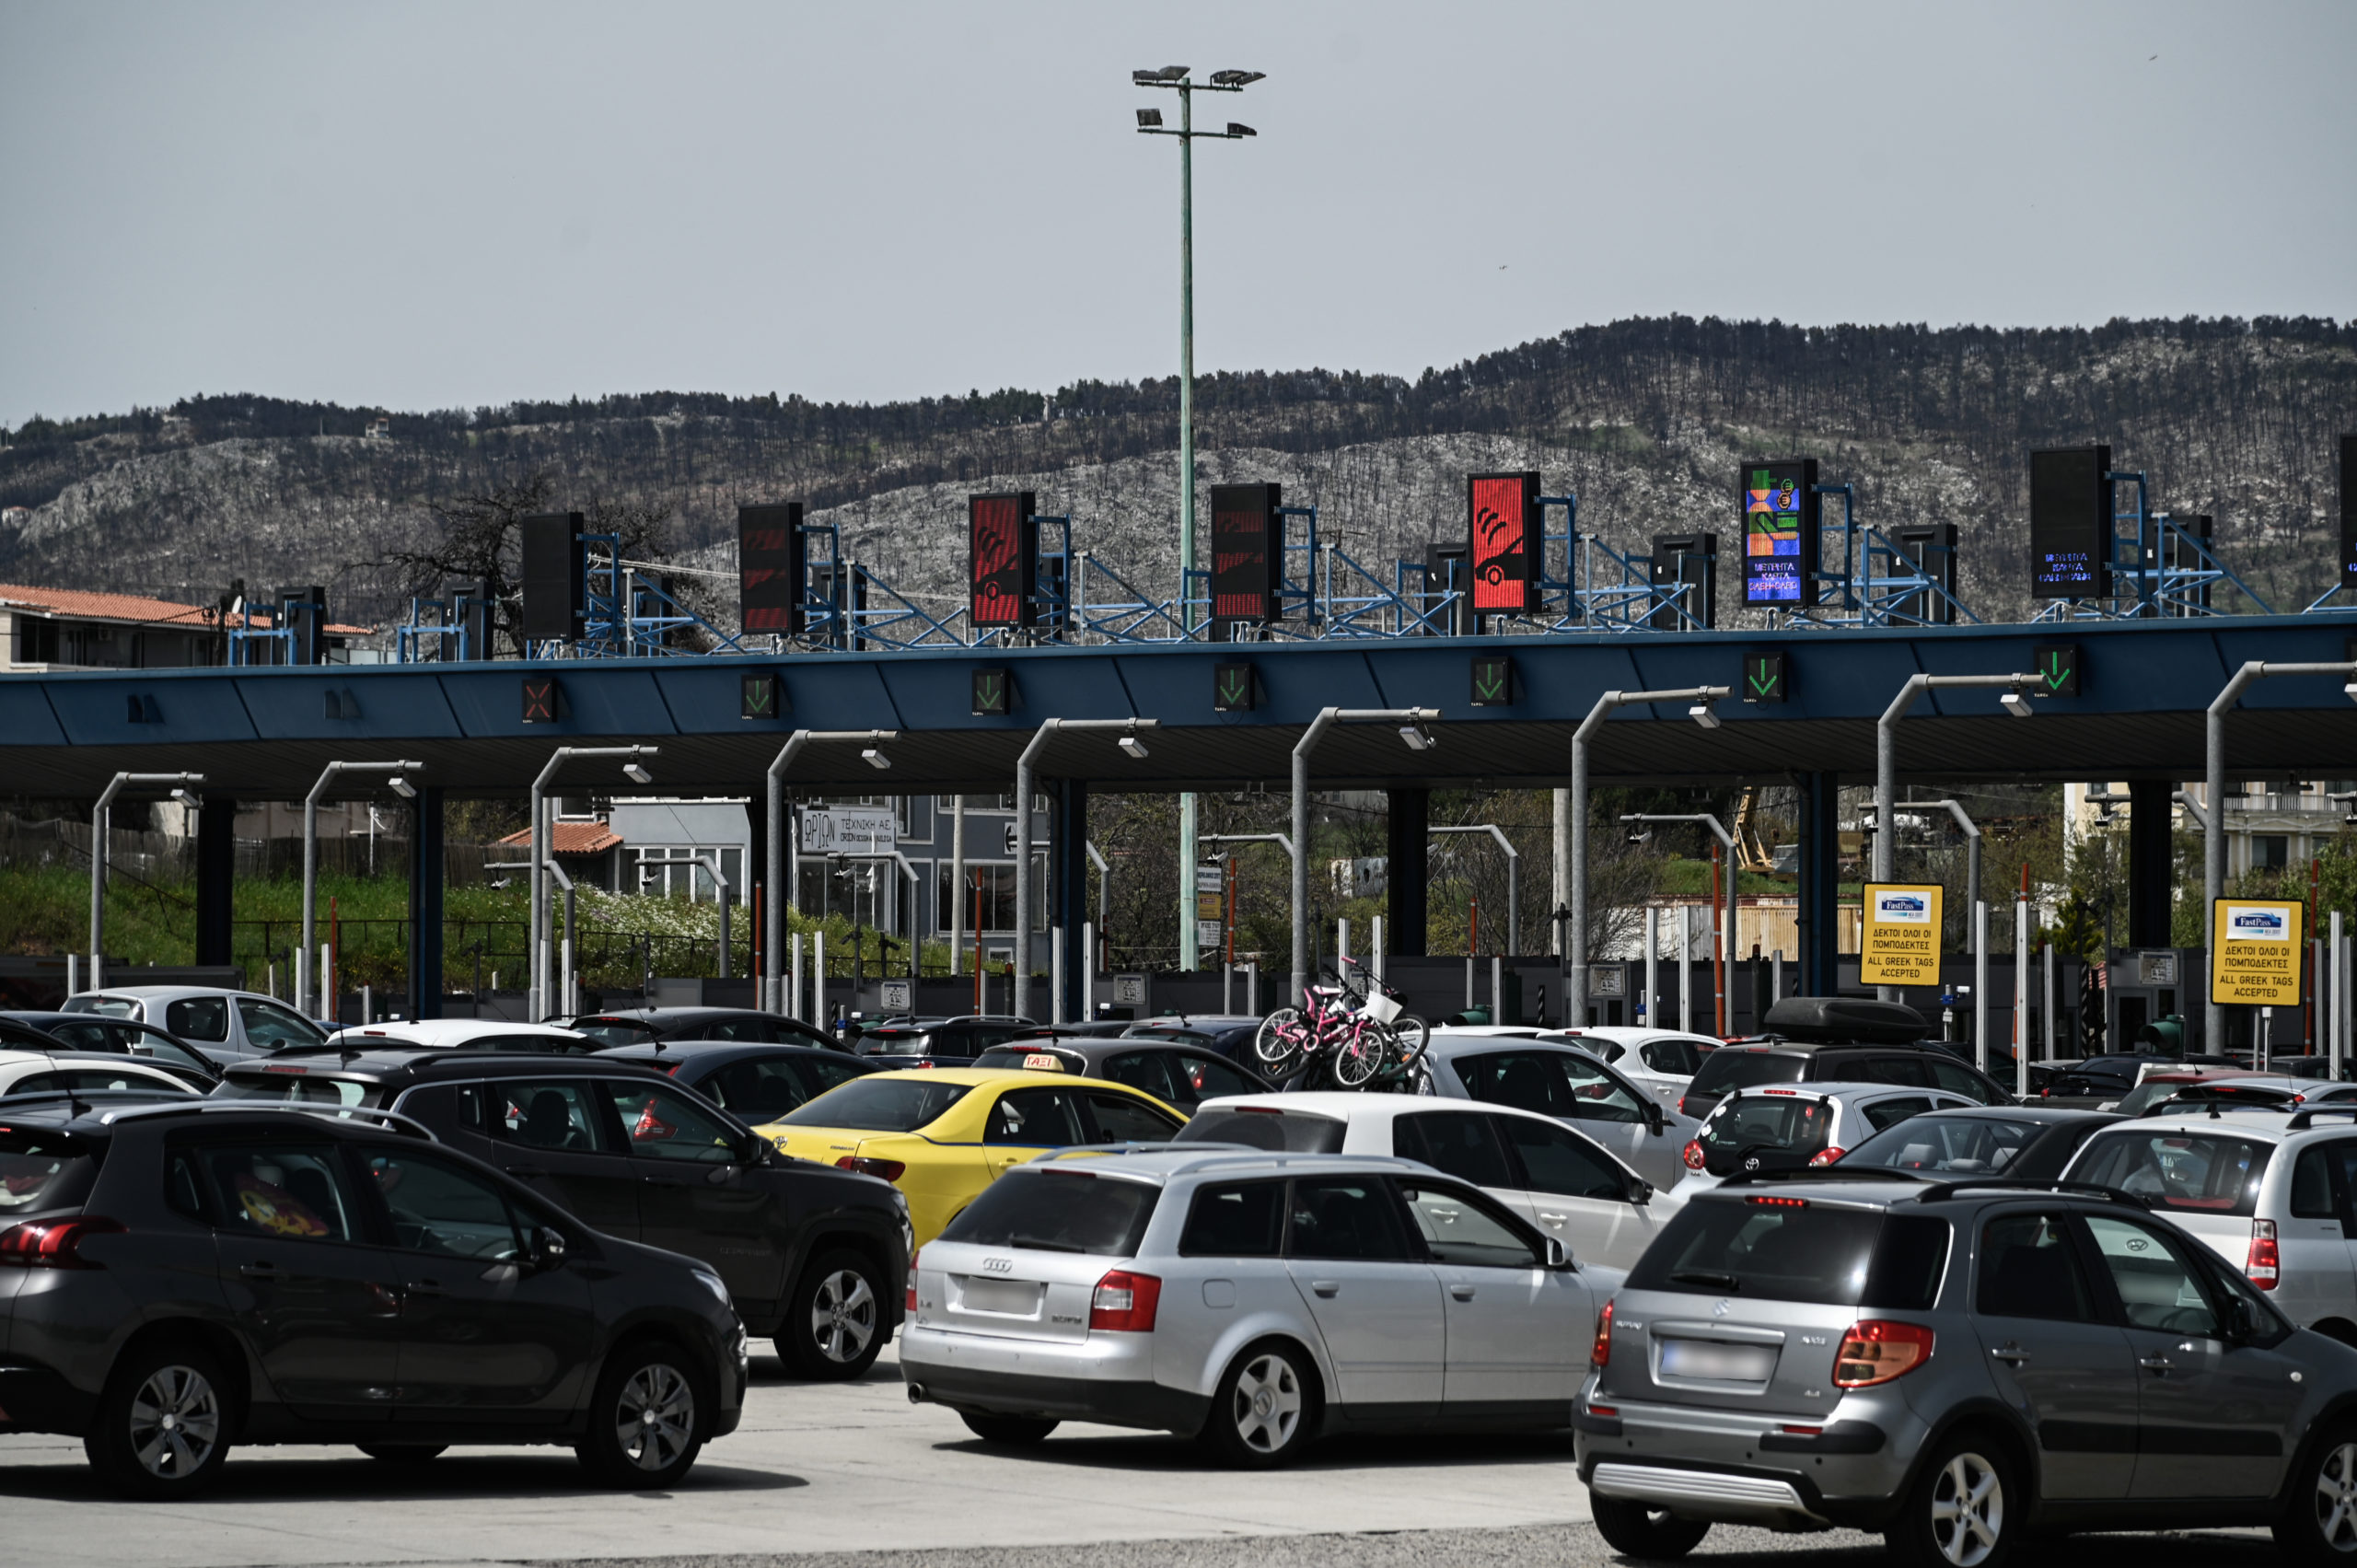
(1956, 1365)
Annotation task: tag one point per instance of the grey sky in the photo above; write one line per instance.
(427, 205)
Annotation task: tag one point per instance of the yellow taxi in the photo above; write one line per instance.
(943, 1135)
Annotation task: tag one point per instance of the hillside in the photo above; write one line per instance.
(1646, 420)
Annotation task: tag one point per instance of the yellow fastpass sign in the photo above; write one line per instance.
(1901, 940)
(2254, 951)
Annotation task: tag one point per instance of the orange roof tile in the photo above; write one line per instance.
(132, 608)
(572, 838)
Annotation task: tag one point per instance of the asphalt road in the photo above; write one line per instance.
(853, 1476)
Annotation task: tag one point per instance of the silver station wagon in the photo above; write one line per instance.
(1252, 1300)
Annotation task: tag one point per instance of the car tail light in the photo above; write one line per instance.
(913, 1281)
(1125, 1303)
(1827, 1155)
(1686, 1106)
(1601, 1354)
(53, 1244)
(891, 1170)
(1693, 1155)
(1877, 1349)
(2265, 1265)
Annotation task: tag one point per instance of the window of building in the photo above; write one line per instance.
(673, 872)
(997, 880)
(2270, 852)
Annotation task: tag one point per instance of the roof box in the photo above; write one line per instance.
(1862, 1020)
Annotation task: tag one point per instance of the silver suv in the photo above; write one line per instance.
(1954, 1365)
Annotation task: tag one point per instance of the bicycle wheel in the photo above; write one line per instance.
(1279, 1040)
(1361, 1055)
(1414, 1035)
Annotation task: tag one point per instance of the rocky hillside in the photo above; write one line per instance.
(1647, 422)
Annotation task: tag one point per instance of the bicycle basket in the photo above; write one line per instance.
(1383, 1009)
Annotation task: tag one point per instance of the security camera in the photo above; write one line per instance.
(2015, 704)
(637, 774)
(1704, 715)
(402, 787)
(1134, 747)
(875, 758)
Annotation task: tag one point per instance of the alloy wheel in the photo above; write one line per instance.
(1967, 1511)
(1267, 1403)
(655, 1419)
(842, 1315)
(2337, 1498)
(175, 1421)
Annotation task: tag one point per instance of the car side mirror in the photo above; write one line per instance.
(547, 1248)
(1559, 1256)
(1641, 1192)
(1653, 1118)
(2242, 1319)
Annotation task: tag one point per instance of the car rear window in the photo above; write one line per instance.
(1291, 1131)
(2195, 1173)
(610, 1032)
(294, 1087)
(1059, 1211)
(1736, 1069)
(1773, 1247)
(878, 1104)
(1964, 1146)
(44, 1170)
(1779, 1130)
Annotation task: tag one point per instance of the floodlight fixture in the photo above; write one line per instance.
(1236, 78)
(402, 787)
(187, 798)
(2015, 704)
(875, 758)
(1149, 119)
(1418, 738)
(2350, 690)
(1706, 714)
(636, 773)
(1235, 130)
(1134, 746)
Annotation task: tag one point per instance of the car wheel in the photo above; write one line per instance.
(162, 1427)
(2319, 1522)
(834, 1321)
(403, 1453)
(1963, 1511)
(1010, 1430)
(647, 1420)
(1265, 1407)
(1645, 1532)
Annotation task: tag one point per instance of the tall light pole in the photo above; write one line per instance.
(1175, 78)
(2213, 826)
(544, 849)
(100, 816)
(1412, 723)
(784, 889)
(1026, 771)
(1725, 944)
(1514, 878)
(305, 980)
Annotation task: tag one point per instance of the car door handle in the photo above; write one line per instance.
(259, 1270)
(2011, 1356)
(423, 1287)
(1554, 1219)
(2158, 1364)
(1462, 1293)
(1328, 1288)
(528, 1172)
(662, 1182)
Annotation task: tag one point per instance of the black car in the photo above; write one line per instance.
(1837, 1039)
(637, 1026)
(94, 1033)
(2108, 1077)
(756, 1084)
(941, 1042)
(1175, 1073)
(189, 1277)
(814, 1257)
(1230, 1034)
(2018, 1143)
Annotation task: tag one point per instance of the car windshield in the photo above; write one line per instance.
(1738, 1069)
(1967, 1146)
(879, 1104)
(1777, 1130)
(1292, 1131)
(1057, 1210)
(43, 1170)
(1780, 1248)
(2209, 1173)
(610, 1032)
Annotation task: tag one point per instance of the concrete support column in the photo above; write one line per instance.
(2151, 861)
(216, 871)
(425, 902)
(1820, 882)
(1069, 913)
(1405, 883)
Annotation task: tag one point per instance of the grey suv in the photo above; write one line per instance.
(1954, 1365)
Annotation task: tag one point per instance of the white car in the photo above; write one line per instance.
(41, 1072)
(468, 1034)
(228, 1025)
(1568, 1084)
(2275, 1195)
(1661, 1060)
(1554, 1176)
(1791, 1126)
(1253, 1301)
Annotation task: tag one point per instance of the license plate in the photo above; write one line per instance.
(1010, 1298)
(1713, 1362)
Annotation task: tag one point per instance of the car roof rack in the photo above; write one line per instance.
(394, 1121)
(1825, 1173)
(2304, 1118)
(1945, 1190)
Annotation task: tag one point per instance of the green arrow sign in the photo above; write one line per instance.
(1492, 681)
(2056, 667)
(1763, 678)
(1232, 690)
(991, 693)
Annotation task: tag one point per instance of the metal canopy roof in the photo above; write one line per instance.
(2145, 686)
